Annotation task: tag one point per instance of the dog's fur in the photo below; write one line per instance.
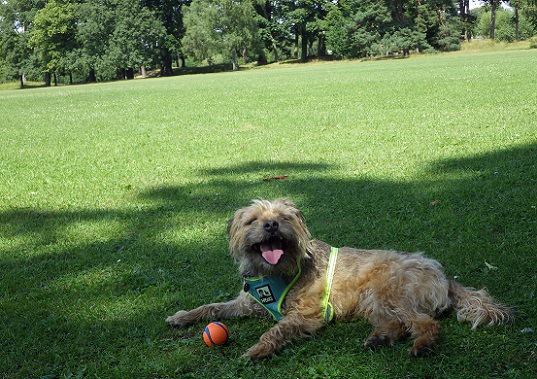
(399, 293)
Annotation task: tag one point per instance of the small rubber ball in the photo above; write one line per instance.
(216, 334)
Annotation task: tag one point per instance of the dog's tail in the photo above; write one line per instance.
(477, 307)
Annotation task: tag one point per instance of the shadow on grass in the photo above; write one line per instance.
(223, 67)
(113, 289)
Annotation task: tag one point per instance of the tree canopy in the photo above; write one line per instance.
(98, 40)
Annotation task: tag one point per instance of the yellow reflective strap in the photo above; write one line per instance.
(327, 308)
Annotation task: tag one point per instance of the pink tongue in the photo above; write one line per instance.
(271, 253)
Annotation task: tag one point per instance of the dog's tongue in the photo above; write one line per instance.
(271, 252)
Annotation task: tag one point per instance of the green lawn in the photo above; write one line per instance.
(114, 200)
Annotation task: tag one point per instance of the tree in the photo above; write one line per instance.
(219, 26)
(53, 36)
(272, 31)
(466, 18)
(17, 61)
(354, 27)
(505, 29)
(529, 8)
(13, 43)
(306, 18)
(524, 10)
(360, 28)
(494, 7)
(114, 37)
(170, 13)
(96, 21)
(134, 41)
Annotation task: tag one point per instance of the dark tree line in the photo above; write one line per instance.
(99, 40)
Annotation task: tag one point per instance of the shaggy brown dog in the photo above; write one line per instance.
(399, 293)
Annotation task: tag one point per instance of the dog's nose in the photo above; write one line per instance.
(271, 226)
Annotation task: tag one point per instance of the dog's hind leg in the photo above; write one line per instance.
(241, 306)
(385, 334)
(425, 331)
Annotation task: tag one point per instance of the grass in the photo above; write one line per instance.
(494, 45)
(114, 201)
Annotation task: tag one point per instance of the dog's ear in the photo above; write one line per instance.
(233, 227)
(289, 205)
(231, 221)
(285, 201)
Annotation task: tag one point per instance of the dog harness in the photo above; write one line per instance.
(270, 291)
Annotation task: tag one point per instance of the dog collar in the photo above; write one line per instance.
(270, 291)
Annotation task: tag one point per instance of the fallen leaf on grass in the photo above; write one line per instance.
(275, 178)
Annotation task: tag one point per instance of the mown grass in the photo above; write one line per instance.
(114, 200)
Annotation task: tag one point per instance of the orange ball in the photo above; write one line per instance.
(216, 333)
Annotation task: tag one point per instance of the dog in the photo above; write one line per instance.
(400, 294)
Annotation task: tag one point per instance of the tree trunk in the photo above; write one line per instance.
(143, 71)
(517, 32)
(183, 61)
(467, 20)
(275, 51)
(47, 79)
(22, 81)
(235, 60)
(55, 80)
(166, 63)
(295, 55)
(304, 43)
(92, 77)
(463, 13)
(321, 47)
(493, 17)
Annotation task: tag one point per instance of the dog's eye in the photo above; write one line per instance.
(251, 221)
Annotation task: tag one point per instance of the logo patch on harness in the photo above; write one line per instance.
(265, 294)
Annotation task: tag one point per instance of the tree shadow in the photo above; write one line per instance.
(155, 257)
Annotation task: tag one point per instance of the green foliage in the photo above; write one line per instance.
(447, 38)
(218, 26)
(53, 34)
(274, 30)
(115, 197)
(93, 40)
(379, 28)
(402, 40)
(135, 38)
(504, 26)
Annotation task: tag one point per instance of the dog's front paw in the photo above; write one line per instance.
(259, 351)
(179, 320)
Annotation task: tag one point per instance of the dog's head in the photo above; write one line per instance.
(268, 237)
